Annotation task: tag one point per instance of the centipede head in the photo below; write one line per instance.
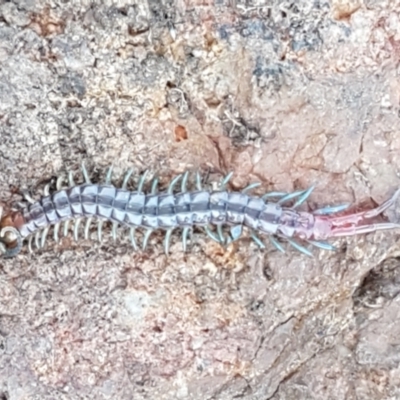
(10, 238)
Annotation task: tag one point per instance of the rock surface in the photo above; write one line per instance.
(288, 93)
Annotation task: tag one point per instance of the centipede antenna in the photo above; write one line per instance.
(299, 248)
(109, 175)
(37, 239)
(100, 229)
(126, 178)
(3, 249)
(236, 231)
(185, 233)
(30, 244)
(276, 244)
(76, 228)
(167, 240)
(59, 182)
(71, 181)
(85, 174)
(322, 245)
(303, 197)
(220, 234)
(273, 194)
(27, 197)
(44, 236)
(184, 182)
(87, 227)
(331, 210)
(198, 181)
(225, 180)
(14, 251)
(146, 238)
(290, 196)
(211, 234)
(257, 240)
(141, 181)
(251, 186)
(132, 238)
(154, 186)
(171, 186)
(55, 232)
(114, 231)
(46, 190)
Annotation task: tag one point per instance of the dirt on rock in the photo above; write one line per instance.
(287, 93)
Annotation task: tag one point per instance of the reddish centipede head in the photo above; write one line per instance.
(10, 217)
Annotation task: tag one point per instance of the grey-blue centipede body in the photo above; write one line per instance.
(211, 209)
(151, 211)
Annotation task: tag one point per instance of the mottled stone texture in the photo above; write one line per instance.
(289, 93)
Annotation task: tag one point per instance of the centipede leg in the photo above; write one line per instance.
(184, 182)
(211, 234)
(331, 210)
(251, 186)
(220, 234)
(171, 186)
(109, 175)
(141, 181)
(198, 182)
(27, 197)
(299, 247)
(303, 197)
(114, 231)
(267, 196)
(100, 229)
(167, 240)
(126, 178)
(132, 238)
(85, 174)
(322, 245)
(55, 232)
(59, 182)
(87, 228)
(257, 240)
(37, 239)
(66, 227)
(185, 233)
(276, 244)
(154, 185)
(348, 225)
(44, 236)
(384, 206)
(225, 181)
(76, 229)
(46, 190)
(30, 249)
(291, 196)
(71, 181)
(146, 238)
(236, 231)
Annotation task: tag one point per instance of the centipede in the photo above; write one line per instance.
(222, 214)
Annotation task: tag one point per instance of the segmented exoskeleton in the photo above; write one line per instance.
(185, 209)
